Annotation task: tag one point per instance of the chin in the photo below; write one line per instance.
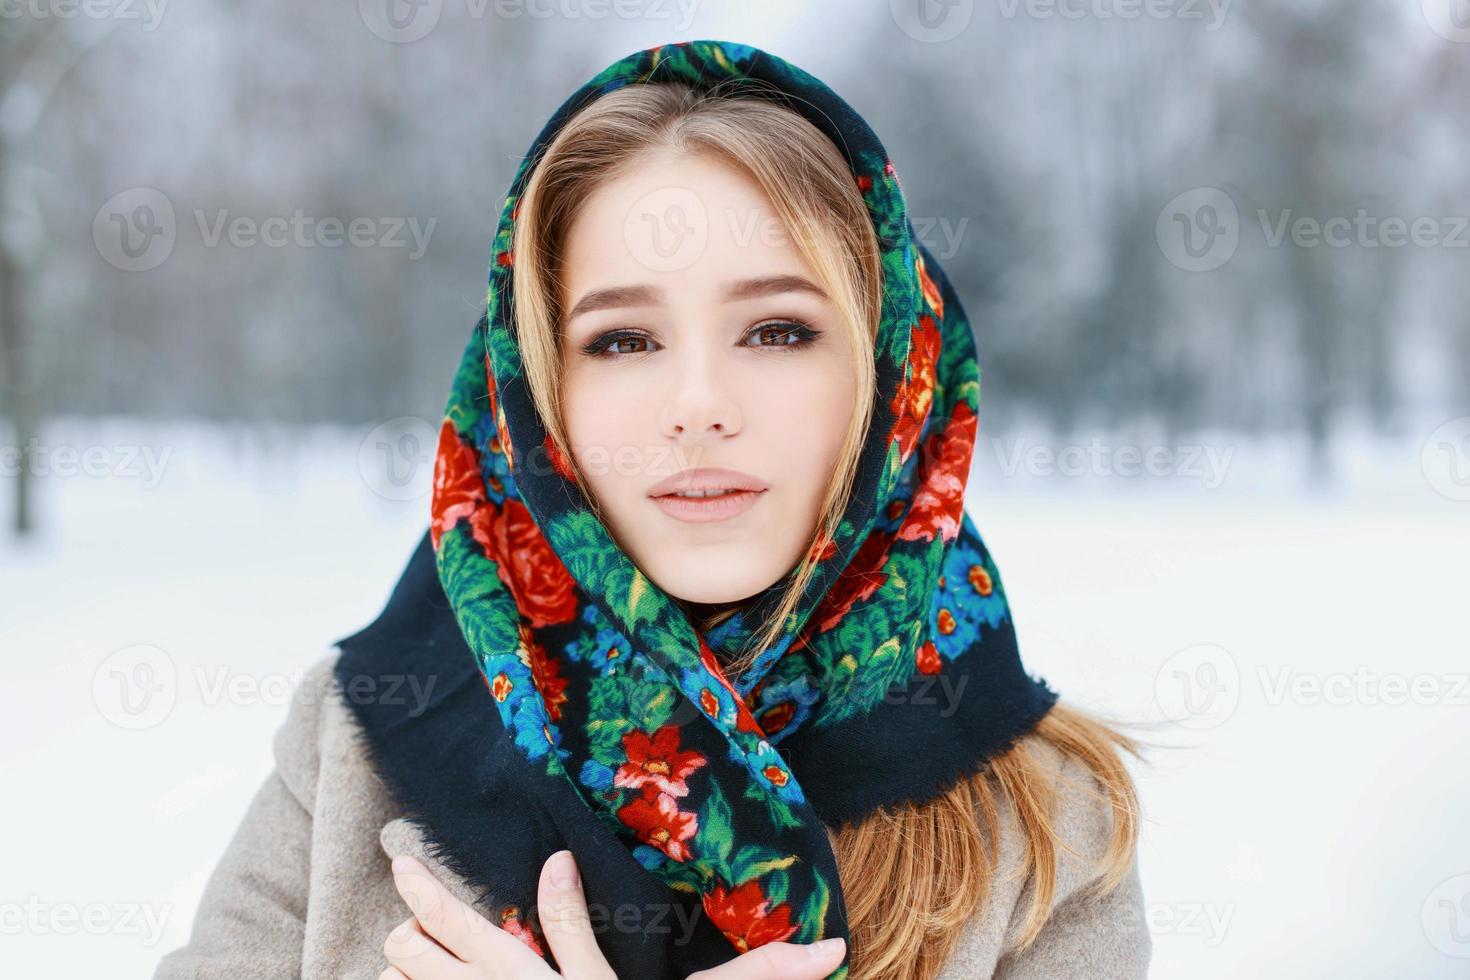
(708, 586)
(714, 595)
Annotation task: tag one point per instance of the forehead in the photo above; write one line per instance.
(676, 221)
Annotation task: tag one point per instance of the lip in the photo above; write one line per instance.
(707, 478)
(697, 511)
(746, 491)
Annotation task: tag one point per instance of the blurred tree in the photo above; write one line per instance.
(35, 57)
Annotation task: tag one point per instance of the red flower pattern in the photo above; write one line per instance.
(858, 581)
(915, 395)
(939, 504)
(501, 442)
(744, 720)
(559, 461)
(510, 921)
(657, 820)
(657, 762)
(458, 488)
(545, 673)
(929, 288)
(927, 658)
(744, 915)
(777, 717)
(543, 589)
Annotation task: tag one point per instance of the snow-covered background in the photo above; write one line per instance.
(1284, 616)
(1297, 649)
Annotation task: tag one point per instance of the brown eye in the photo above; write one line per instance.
(603, 346)
(785, 334)
(626, 340)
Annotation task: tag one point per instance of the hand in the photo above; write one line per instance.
(445, 939)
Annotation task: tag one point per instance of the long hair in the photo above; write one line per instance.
(911, 875)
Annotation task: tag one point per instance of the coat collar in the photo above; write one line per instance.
(402, 836)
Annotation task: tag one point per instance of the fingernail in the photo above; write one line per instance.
(563, 870)
(402, 863)
(826, 947)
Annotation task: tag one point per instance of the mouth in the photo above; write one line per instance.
(708, 493)
(700, 506)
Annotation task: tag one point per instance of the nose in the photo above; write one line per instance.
(699, 406)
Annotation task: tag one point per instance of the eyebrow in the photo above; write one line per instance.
(616, 297)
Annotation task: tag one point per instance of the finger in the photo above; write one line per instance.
(564, 919)
(781, 961)
(415, 955)
(451, 923)
(393, 973)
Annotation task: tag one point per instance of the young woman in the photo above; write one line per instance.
(701, 669)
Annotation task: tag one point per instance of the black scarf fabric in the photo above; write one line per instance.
(570, 703)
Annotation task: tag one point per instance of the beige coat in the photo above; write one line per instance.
(304, 887)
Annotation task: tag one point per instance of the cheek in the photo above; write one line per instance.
(606, 427)
(807, 419)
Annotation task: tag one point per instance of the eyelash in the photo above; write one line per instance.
(804, 333)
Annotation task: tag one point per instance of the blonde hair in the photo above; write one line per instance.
(939, 856)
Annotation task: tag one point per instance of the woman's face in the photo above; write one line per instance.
(693, 336)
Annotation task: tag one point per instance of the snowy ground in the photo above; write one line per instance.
(1299, 652)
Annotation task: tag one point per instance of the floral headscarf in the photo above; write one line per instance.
(602, 720)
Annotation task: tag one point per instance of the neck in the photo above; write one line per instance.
(704, 610)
